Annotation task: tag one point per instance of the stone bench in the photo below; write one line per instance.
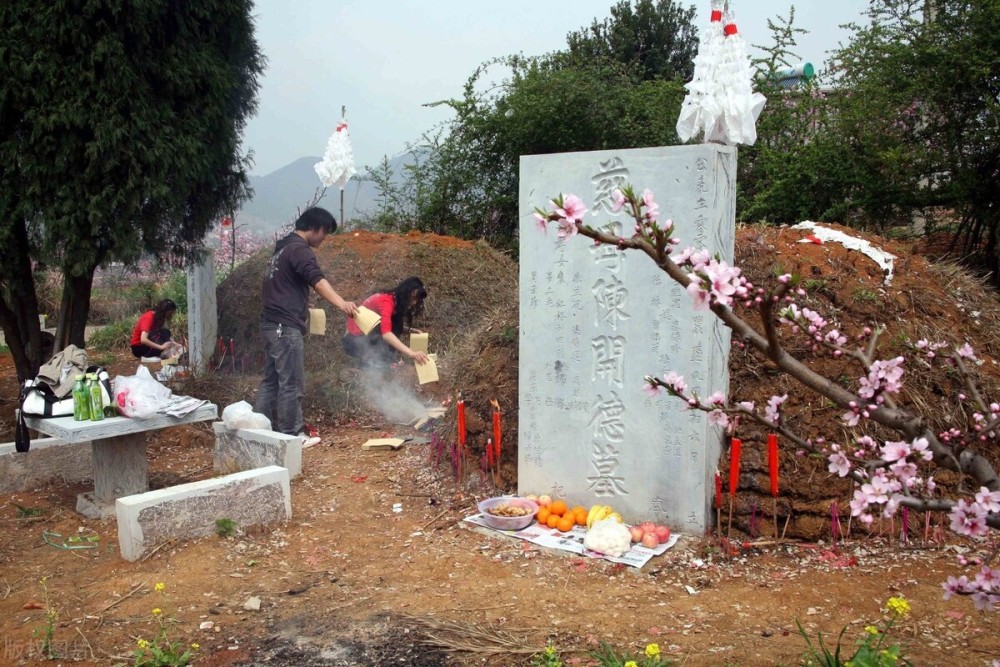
(48, 460)
(249, 448)
(248, 498)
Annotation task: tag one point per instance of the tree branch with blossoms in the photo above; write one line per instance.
(886, 474)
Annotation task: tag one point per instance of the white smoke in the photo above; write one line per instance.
(395, 402)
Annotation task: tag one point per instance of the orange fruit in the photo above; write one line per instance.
(542, 515)
(578, 508)
(558, 507)
(552, 521)
(567, 522)
(581, 516)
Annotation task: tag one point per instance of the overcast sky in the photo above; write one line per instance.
(385, 59)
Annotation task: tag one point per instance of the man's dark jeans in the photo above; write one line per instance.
(280, 395)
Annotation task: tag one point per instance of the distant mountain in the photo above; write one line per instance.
(278, 195)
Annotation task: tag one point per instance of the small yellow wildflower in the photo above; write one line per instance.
(631, 663)
(159, 587)
(550, 650)
(871, 629)
(886, 654)
(157, 611)
(195, 646)
(899, 606)
(142, 643)
(652, 650)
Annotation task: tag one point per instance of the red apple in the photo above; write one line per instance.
(637, 533)
(662, 533)
(647, 526)
(650, 541)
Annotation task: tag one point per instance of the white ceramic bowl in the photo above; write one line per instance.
(508, 522)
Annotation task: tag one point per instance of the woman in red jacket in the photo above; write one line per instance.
(151, 337)
(397, 307)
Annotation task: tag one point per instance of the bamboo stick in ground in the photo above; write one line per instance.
(774, 515)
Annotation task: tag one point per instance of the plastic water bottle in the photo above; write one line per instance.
(81, 400)
(96, 399)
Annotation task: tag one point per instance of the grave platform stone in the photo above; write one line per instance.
(248, 498)
(249, 448)
(48, 460)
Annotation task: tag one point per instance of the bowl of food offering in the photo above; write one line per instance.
(508, 512)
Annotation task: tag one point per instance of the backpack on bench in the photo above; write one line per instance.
(50, 394)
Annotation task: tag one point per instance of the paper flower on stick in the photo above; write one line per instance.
(721, 104)
(337, 165)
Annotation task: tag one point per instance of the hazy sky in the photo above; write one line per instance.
(384, 59)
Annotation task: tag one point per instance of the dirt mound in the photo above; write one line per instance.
(937, 301)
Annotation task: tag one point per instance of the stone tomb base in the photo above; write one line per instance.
(48, 460)
(249, 448)
(248, 498)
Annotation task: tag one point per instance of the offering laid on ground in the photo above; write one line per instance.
(384, 443)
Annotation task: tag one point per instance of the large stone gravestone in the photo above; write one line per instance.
(203, 314)
(594, 321)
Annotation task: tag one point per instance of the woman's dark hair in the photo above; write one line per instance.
(316, 218)
(403, 314)
(160, 312)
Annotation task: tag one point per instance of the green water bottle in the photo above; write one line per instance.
(81, 400)
(96, 399)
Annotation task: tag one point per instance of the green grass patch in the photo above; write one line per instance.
(112, 337)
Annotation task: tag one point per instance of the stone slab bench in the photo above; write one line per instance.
(48, 460)
(118, 447)
(248, 498)
(249, 448)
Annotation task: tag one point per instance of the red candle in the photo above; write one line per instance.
(489, 452)
(496, 428)
(461, 422)
(718, 489)
(772, 462)
(734, 466)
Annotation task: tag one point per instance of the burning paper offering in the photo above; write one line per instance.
(366, 319)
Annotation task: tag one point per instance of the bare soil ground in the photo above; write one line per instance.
(350, 581)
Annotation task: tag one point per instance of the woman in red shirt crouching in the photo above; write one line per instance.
(397, 307)
(151, 337)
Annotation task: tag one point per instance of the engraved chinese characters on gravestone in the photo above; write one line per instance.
(594, 321)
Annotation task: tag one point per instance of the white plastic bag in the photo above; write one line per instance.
(241, 415)
(608, 537)
(139, 396)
